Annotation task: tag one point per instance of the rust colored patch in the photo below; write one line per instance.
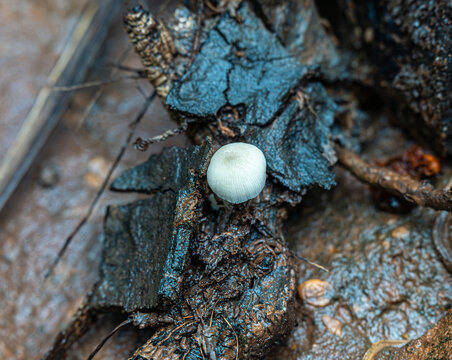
(415, 162)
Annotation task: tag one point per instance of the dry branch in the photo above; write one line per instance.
(143, 144)
(405, 187)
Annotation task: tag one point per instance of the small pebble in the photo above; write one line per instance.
(97, 171)
(92, 180)
(315, 292)
(332, 324)
(49, 175)
(369, 35)
(400, 233)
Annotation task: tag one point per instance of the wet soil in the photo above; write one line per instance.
(57, 191)
(386, 280)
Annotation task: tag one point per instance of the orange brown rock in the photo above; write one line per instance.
(315, 292)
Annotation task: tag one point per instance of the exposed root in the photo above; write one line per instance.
(405, 187)
(102, 343)
(380, 345)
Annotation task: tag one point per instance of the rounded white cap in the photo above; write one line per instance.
(237, 172)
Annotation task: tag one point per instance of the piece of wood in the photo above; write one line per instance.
(403, 186)
(69, 69)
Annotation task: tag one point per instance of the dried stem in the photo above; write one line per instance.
(143, 144)
(82, 222)
(102, 343)
(97, 83)
(405, 187)
(236, 338)
(174, 330)
(311, 263)
(196, 38)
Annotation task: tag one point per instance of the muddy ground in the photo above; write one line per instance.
(385, 280)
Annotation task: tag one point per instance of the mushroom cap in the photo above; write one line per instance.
(237, 172)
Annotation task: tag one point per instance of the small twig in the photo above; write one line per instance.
(380, 345)
(196, 38)
(305, 259)
(213, 310)
(82, 222)
(119, 66)
(185, 355)
(174, 330)
(89, 84)
(141, 91)
(236, 337)
(102, 343)
(311, 263)
(403, 186)
(143, 144)
(99, 92)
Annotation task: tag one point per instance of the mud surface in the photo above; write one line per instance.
(57, 190)
(385, 281)
(232, 285)
(435, 344)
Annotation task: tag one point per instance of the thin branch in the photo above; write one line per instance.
(102, 343)
(89, 84)
(118, 66)
(405, 187)
(236, 337)
(100, 91)
(82, 222)
(141, 91)
(143, 144)
(311, 263)
(196, 38)
(174, 330)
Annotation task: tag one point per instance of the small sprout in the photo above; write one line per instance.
(236, 172)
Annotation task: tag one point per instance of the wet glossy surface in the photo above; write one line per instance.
(45, 208)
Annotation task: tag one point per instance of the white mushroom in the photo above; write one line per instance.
(236, 172)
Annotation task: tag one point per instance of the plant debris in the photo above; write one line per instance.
(219, 282)
(403, 186)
